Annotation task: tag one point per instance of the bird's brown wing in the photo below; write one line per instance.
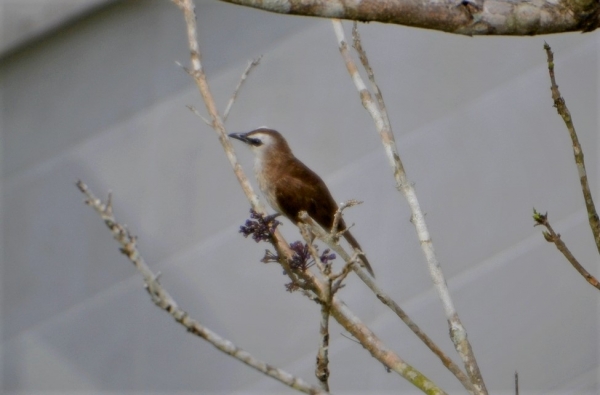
(302, 189)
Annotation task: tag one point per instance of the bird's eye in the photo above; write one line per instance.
(255, 142)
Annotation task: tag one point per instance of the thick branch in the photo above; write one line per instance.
(469, 17)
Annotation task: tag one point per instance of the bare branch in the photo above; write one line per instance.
(563, 111)
(338, 214)
(339, 310)
(458, 333)
(386, 299)
(163, 299)
(377, 349)
(364, 60)
(469, 17)
(253, 63)
(552, 237)
(352, 323)
(197, 72)
(322, 369)
(197, 113)
(339, 277)
(308, 237)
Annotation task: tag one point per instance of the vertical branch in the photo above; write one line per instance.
(197, 72)
(322, 369)
(458, 333)
(563, 111)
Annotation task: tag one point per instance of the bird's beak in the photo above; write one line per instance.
(240, 136)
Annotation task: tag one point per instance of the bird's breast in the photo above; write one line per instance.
(267, 183)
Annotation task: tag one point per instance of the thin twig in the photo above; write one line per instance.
(197, 113)
(341, 276)
(362, 55)
(552, 237)
(165, 301)
(516, 383)
(387, 300)
(253, 63)
(308, 238)
(338, 214)
(563, 111)
(458, 333)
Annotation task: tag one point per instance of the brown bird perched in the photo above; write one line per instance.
(289, 185)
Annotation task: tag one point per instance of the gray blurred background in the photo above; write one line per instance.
(91, 91)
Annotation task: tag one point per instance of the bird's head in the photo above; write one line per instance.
(263, 141)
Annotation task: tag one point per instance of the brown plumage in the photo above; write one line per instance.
(289, 185)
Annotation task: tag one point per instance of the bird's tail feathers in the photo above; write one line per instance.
(352, 241)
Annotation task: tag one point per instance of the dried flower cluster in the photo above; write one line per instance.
(261, 227)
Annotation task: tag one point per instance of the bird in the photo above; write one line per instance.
(289, 186)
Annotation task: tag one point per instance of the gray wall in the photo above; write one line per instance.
(102, 100)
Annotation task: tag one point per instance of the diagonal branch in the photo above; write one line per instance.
(563, 111)
(458, 333)
(386, 299)
(197, 72)
(163, 299)
(552, 237)
(339, 310)
(251, 65)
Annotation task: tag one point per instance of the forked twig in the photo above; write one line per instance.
(338, 310)
(338, 214)
(552, 237)
(163, 299)
(458, 333)
(364, 60)
(353, 261)
(563, 111)
(253, 63)
(197, 72)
